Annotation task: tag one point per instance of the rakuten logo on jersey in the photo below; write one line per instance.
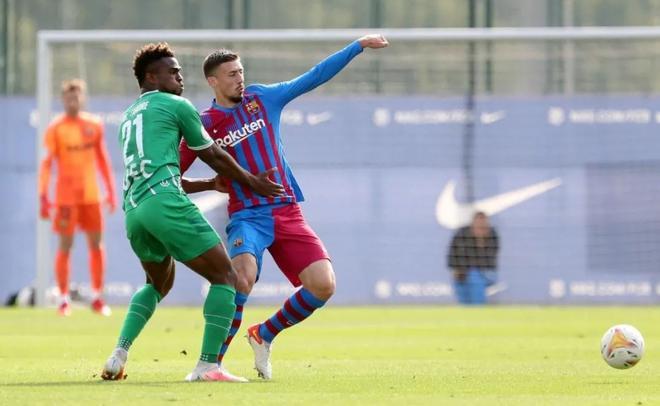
(234, 137)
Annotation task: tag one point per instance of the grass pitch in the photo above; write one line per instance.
(365, 355)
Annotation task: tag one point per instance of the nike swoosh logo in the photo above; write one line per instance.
(255, 336)
(452, 214)
(209, 201)
(315, 119)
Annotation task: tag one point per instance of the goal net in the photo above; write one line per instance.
(552, 132)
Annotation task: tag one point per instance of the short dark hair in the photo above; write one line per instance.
(217, 58)
(147, 55)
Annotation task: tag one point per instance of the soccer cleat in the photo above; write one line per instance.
(113, 370)
(64, 309)
(261, 350)
(99, 306)
(213, 375)
(231, 377)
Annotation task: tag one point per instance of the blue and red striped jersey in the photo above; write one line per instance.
(250, 131)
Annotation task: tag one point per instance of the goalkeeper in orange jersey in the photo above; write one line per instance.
(74, 142)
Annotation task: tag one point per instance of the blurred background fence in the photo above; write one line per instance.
(21, 19)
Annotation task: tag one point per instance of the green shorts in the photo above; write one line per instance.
(169, 224)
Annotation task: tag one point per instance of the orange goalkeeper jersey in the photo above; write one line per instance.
(78, 148)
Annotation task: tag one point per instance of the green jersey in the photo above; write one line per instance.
(150, 134)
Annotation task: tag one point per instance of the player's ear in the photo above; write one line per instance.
(149, 77)
(152, 72)
(212, 81)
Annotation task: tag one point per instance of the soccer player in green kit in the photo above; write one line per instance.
(162, 224)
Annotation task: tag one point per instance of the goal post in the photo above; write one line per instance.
(47, 39)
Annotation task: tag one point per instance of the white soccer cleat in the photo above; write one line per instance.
(261, 350)
(213, 375)
(99, 307)
(64, 309)
(231, 377)
(113, 370)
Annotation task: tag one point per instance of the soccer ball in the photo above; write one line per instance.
(622, 346)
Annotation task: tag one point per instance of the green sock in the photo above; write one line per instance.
(143, 304)
(219, 309)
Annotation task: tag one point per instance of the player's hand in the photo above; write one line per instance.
(266, 187)
(44, 207)
(220, 184)
(111, 203)
(460, 275)
(373, 41)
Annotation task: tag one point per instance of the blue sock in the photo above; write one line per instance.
(295, 309)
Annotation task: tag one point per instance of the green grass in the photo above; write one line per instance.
(365, 355)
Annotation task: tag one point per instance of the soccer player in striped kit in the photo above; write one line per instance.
(245, 121)
(161, 222)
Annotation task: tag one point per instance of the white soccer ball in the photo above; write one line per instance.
(622, 346)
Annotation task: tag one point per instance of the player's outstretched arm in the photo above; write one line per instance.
(221, 162)
(373, 41)
(325, 70)
(195, 185)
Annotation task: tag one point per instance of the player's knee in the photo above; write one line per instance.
(167, 287)
(66, 244)
(244, 283)
(163, 290)
(222, 277)
(163, 286)
(94, 240)
(94, 245)
(162, 276)
(324, 289)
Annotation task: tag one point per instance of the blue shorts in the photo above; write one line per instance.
(281, 229)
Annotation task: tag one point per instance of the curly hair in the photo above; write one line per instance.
(217, 58)
(147, 55)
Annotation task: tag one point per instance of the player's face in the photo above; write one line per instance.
(228, 81)
(73, 102)
(167, 75)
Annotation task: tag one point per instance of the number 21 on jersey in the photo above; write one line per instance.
(131, 137)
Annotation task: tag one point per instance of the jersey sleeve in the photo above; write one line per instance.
(50, 143)
(186, 156)
(103, 161)
(325, 70)
(191, 127)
